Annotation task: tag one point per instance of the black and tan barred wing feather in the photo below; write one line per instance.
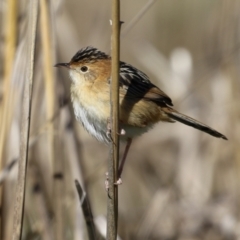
(136, 85)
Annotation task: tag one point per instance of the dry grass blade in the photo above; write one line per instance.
(87, 212)
(48, 71)
(8, 63)
(50, 109)
(20, 191)
(10, 45)
(113, 162)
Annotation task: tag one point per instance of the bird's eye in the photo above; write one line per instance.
(84, 68)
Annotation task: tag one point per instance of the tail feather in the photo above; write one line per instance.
(192, 122)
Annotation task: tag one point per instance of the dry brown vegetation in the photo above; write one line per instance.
(178, 183)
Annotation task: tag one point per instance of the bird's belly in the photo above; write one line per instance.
(97, 126)
(91, 121)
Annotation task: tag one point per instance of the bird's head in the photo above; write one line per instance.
(87, 64)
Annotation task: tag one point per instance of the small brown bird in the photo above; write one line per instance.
(142, 104)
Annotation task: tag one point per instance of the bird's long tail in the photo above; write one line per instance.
(173, 114)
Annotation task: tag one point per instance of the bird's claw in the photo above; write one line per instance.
(118, 182)
(109, 129)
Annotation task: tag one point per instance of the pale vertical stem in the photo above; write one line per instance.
(112, 210)
(25, 124)
(48, 72)
(10, 45)
(47, 43)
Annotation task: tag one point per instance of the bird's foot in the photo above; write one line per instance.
(122, 132)
(118, 182)
(109, 129)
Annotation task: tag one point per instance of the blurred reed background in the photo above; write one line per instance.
(178, 183)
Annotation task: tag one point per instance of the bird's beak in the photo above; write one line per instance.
(66, 65)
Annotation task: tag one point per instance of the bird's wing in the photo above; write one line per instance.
(135, 84)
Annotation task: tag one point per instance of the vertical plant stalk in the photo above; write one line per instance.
(112, 209)
(10, 45)
(47, 45)
(48, 68)
(5, 112)
(25, 124)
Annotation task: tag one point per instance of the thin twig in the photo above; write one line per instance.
(26, 114)
(112, 210)
(87, 212)
(137, 17)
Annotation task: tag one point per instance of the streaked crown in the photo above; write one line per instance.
(89, 54)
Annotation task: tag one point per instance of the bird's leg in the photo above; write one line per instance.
(129, 141)
(120, 169)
